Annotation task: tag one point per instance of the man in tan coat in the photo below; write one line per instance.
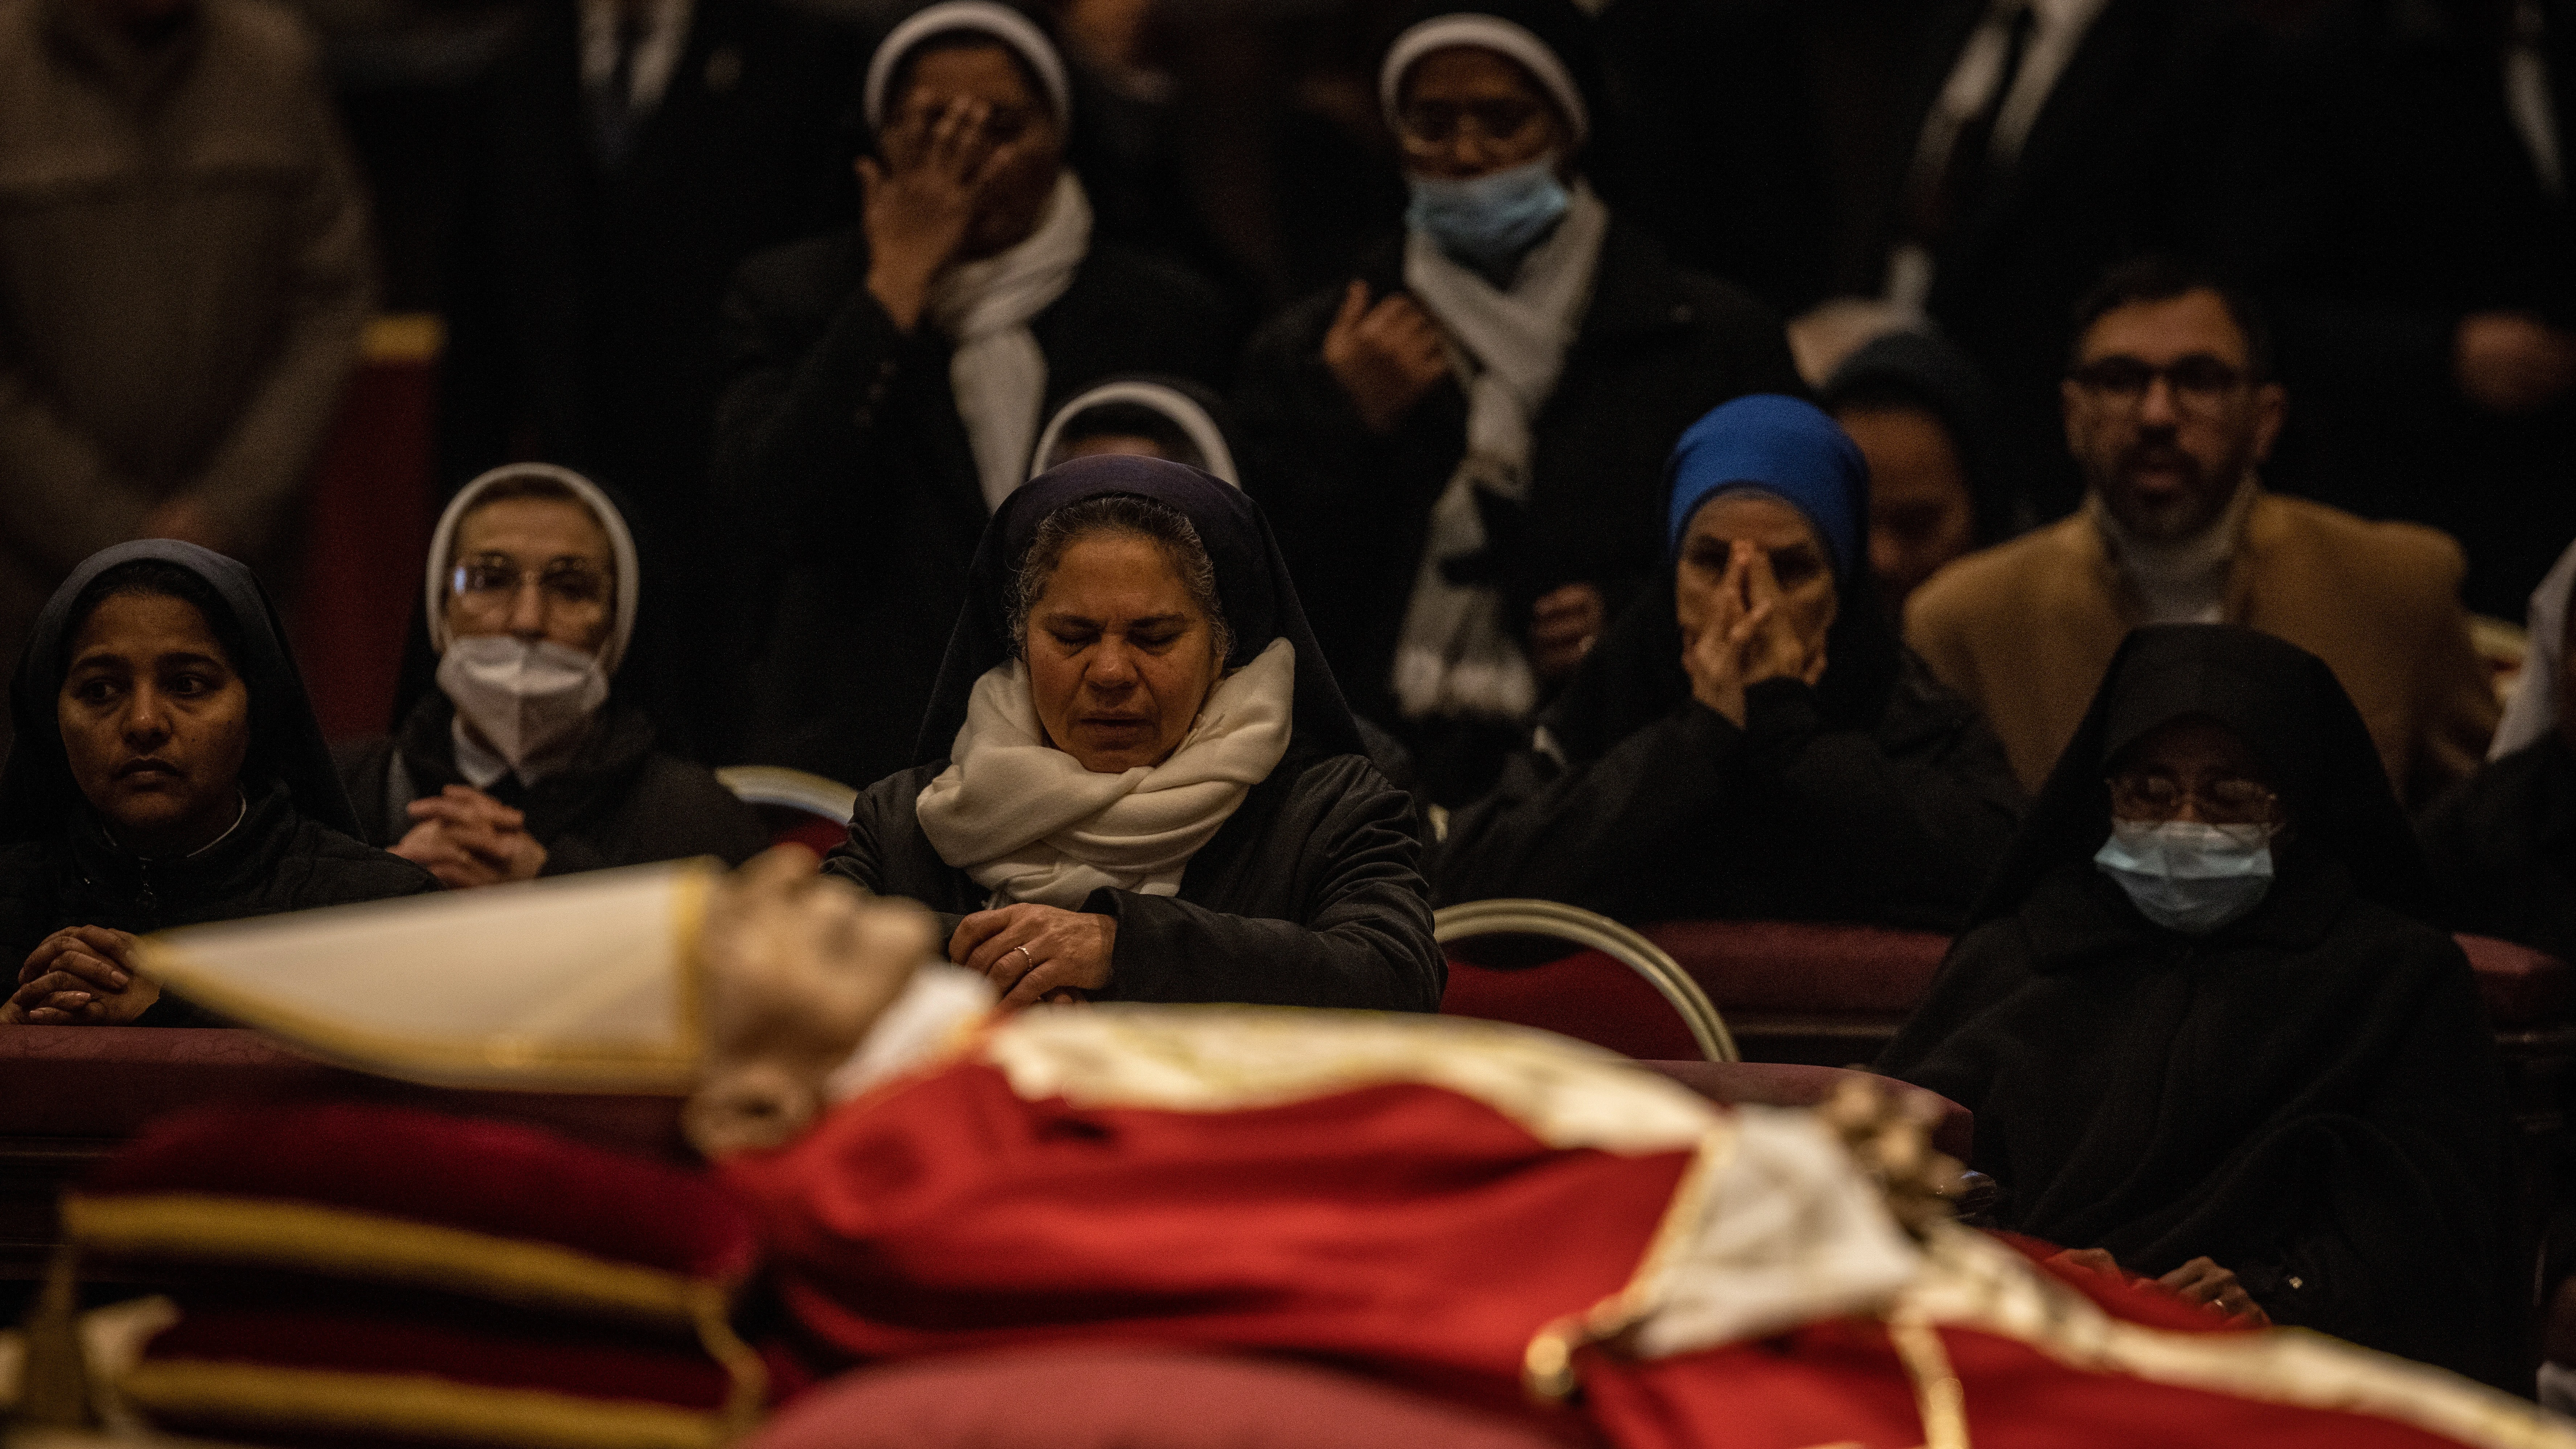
(184, 273)
(2170, 409)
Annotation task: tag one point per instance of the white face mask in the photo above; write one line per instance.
(528, 701)
(2186, 876)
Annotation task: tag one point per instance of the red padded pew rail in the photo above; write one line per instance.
(70, 1095)
(1585, 995)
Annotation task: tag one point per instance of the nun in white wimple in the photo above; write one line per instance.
(1472, 431)
(524, 761)
(889, 383)
(1171, 418)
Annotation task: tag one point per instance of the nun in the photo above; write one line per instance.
(1142, 416)
(886, 385)
(1751, 740)
(1138, 780)
(1469, 434)
(2206, 1032)
(525, 760)
(168, 771)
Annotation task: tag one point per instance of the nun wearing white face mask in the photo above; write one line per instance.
(1470, 434)
(521, 763)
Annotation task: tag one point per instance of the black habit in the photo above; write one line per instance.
(2308, 1096)
(1310, 894)
(620, 800)
(292, 850)
(1658, 346)
(840, 448)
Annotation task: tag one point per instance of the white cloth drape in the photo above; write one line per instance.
(1028, 821)
(985, 307)
(1456, 656)
(2533, 710)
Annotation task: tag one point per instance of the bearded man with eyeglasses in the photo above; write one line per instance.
(2170, 408)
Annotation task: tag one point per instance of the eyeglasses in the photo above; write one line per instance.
(1436, 123)
(2200, 383)
(2227, 800)
(490, 583)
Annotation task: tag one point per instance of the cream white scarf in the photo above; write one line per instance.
(997, 371)
(1456, 655)
(1027, 820)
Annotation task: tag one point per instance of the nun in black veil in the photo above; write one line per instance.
(168, 771)
(1138, 779)
(2205, 1030)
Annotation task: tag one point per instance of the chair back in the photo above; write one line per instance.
(798, 807)
(1593, 979)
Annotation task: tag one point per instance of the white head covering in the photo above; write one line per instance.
(984, 17)
(1178, 407)
(1481, 32)
(621, 548)
(2533, 710)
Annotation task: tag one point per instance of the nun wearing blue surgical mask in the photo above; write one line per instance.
(1750, 740)
(2205, 1031)
(1464, 442)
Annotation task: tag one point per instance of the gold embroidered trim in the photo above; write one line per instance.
(375, 1248)
(413, 1406)
(1938, 1395)
(1975, 1284)
(1547, 1365)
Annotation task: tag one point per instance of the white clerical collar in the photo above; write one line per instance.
(2184, 581)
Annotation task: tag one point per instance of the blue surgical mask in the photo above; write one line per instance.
(1484, 220)
(2186, 876)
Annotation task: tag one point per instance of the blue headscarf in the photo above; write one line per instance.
(1783, 447)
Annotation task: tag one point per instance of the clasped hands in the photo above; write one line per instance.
(80, 976)
(1744, 636)
(466, 838)
(1033, 953)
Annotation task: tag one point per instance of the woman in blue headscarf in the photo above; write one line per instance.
(1750, 740)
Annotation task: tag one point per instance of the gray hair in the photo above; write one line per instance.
(1126, 513)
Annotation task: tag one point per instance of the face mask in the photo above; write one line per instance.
(2186, 876)
(528, 701)
(1487, 219)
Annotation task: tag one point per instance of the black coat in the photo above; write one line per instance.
(2502, 849)
(1787, 818)
(1310, 895)
(582, 296)
(276, 860)
(840, 448)
(2309, 1096)
(2398, 199)
(620, 801)
(1658, 347)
